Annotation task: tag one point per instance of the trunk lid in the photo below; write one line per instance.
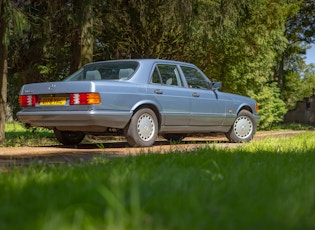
(58, 87)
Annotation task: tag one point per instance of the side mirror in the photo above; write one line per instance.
(215, 85)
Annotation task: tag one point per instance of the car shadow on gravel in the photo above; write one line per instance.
(123, 144)
(87, 152)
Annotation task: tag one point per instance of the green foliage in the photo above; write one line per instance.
(271, 107)
(293, 126)
(242, 40)
(292, 73)
(308, 81)
(298, 84)
(142, 29)
(15, 19)
(261, 185)
(292, 90)
(299, 24)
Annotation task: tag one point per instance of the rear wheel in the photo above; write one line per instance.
(69, 138)
(244, 127)
(142, 129)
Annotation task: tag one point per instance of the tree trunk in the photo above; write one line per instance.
(76, 33)
(281, 73)
(82, 39)
(3, 73)
(75, 49)
(87, 39)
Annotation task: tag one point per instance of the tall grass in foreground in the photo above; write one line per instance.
(261, 185)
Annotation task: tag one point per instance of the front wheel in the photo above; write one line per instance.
(244, 127)
(69, 138)
(142, 129)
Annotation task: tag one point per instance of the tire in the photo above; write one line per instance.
(69, 138)
(142, 129)
(174, 137)
(243, 129)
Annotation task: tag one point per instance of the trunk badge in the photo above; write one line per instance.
(52, 86)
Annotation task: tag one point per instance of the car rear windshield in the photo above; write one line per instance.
(112, 70)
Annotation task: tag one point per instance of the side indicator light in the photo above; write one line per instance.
(256, 107)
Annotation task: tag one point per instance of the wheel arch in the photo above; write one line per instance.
(154, 108)
(245, 107)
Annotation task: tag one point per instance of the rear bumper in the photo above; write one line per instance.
(76, 120)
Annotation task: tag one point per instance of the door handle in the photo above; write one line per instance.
(158, 91)
(196, 95)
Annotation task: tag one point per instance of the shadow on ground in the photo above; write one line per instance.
(58, 154)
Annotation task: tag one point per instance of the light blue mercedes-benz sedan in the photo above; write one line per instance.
(140, 99)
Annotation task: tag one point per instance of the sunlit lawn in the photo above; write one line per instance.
(261, 185)
(18, 135)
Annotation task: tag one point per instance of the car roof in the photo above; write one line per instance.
(143, 61)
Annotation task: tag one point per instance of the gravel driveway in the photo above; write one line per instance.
(16, 156)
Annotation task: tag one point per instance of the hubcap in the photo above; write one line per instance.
(145, 127)
(243, 127)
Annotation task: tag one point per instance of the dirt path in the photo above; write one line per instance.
(85, 152)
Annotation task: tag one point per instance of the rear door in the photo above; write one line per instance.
(167, 87)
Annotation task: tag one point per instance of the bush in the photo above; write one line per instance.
(271, 107)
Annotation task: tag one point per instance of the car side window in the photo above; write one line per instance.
(194, 78)
(167, 75)
(155, 78)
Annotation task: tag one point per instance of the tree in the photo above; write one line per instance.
(272, 107)
(44, 52)
(59, 42)
(82, 40)
(292, 73)
(238, 43)
(142, 29)
(9, 14)
(3, 68)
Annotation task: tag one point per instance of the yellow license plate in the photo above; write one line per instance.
(53, 101)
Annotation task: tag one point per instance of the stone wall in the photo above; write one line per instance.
(304, 112)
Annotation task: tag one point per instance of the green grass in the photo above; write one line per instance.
(293, 126)
(18, 135)
(261, 185)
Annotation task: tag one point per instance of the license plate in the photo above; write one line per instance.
(54, 101)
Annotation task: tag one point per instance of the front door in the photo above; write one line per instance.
(206, 107)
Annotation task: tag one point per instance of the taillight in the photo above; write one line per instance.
(84, 98)
(28, 100)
